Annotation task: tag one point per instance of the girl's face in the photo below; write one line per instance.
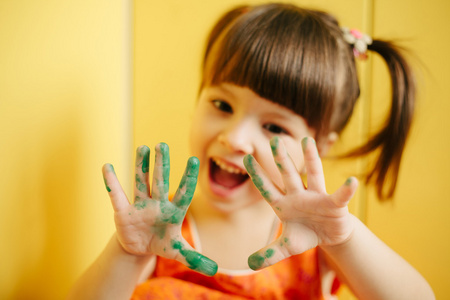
(229, 122)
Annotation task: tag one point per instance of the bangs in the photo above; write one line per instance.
(283, 56)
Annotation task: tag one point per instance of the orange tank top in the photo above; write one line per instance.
(296, 277)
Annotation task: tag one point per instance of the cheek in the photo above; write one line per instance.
(195, 134)
(201, 133)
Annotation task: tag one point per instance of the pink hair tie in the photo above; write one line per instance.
(358, 40)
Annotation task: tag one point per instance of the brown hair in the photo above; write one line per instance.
(298, 58)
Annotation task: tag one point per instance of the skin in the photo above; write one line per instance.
(230, 136)
(329, 213)
(152, 224)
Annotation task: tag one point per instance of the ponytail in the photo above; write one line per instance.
(391, 139)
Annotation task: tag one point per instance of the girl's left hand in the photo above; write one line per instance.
(310, 217)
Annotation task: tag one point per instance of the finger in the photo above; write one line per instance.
(313, 165)
(161, 172)
(269, 255)
(141, 187)
(291, 178)
(192, 259)
(186, 189)
(119, 200)
(261, 180)
(343, 195)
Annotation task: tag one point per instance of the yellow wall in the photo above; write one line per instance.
(417, 224)
(64, 111)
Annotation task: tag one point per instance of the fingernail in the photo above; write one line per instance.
(304, 143)
(163, 147)
(110, 168)
(193, 166)
(164, 150)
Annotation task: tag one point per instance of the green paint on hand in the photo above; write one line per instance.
(255, 261)
(139, 185)
(269, 253)
(170, 213)
(259, 183)
(274, 145)
(141, 204)
(145, 153)
(285, 241)
(160, 230)
(164, 150)
(257, 180)
(196, 261)
(106, 185)
(348, 181)
(189, 181)
(248, 163)
(280, 167)
(109, 168)
(161, 188)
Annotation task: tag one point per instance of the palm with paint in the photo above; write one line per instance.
(152, 224)
(310, 217)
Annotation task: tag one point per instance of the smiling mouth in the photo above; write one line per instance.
(226, 175)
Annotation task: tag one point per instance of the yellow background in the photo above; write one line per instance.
(84, 82)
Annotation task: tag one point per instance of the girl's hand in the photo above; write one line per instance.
(152, 224)
(310, 217)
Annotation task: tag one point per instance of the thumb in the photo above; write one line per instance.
(192, 259)
(269, 255)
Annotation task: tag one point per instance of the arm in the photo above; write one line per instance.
(374, 271)
(311, 217)
(150, 226)
(113, 275)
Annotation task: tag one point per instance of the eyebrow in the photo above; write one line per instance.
(223, 89)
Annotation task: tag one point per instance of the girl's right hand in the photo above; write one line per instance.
(152, 224)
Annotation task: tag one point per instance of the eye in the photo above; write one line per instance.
(275, 129)
(222, 106)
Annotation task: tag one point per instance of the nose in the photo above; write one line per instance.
(239, 137)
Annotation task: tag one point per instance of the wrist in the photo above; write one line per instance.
(347, 241)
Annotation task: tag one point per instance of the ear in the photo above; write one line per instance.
(326, 142)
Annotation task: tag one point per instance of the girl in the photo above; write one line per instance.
(279, 84)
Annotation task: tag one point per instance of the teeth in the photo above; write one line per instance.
(228, 168)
